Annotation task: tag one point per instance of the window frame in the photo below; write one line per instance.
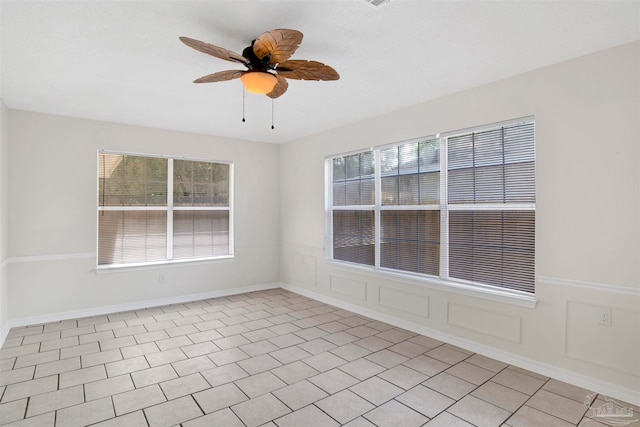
(442, 281)
(170, 208)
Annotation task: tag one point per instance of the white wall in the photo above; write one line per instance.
(4, 217)
(587, 223)
(52, 212)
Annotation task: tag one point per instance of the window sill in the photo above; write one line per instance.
(121, 268)
(478, 291)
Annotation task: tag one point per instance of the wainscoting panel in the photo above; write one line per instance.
(616, 346)
(348, 287)
(484, 321)
(404, 301)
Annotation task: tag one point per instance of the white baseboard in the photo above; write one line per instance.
(580, 380)
(138, 305)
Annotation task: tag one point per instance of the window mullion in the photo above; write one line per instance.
(444, 211)
(377, 185)
(170, 209)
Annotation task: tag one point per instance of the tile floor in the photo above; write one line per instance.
(269, 358)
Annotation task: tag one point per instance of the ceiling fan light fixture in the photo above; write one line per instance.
(259, 82)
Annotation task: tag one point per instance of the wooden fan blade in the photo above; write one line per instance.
(220, 76)
(279, 45)
(300, 69)
(213, 50)
(280, 88)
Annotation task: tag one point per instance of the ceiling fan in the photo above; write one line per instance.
(267, 62)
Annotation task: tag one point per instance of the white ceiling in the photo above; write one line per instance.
(121, 61)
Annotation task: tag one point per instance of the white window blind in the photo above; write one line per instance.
(459, 207)
(157, 209)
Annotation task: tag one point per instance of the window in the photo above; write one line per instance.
(158, 209)
(460, 207)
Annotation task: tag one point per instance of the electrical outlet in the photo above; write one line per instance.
(604, 317)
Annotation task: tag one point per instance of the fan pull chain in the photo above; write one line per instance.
(272, 104)
(244, 94)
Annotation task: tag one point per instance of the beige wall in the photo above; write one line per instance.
(53, 199)
(4, 214)
(587, 222)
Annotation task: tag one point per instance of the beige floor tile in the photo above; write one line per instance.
(129, 330)
(169, 343)
(48, 402)
(311, 333)
(333, 381)
(403, 377)
(7, 353)
(486, 363)
(527, 416)
(471, 373)
(344, 406)
(139, 350)
(340, 338)
(309, 416)
(376, 390)
(408, 349)
(501, 396)
(373, 343)
(478, 412)
(224, 417)
(79, 350)
(387, 358)
(362, 331)
(394, 413)
(163, 357)
(173, 412)
(350, 352)
(85, 414)
(22, 374)
(30, 388)
(82, 376)
(126, 366)
(300, 394)
(449, 385)
(447, 355)
(567, 390)
(294, 372)
(135, 400)
(286, 340)
(101, 358)
(230, 342)
(259, 335)
(324, 361)
(558, 406)
(44, 420)
(359, 422)
(361, 369)
(134, 419)
(290, 354)
(426, 401)
(396, 335)
(116, 343)
(220, 397)
(46, 336)
(228, 356)
(98, 336)
(317, 346)
(151, 336)
(518, 381)
(224, 374)
(260, 410)
(445, 419)
(190, 366)
(35, 358)
(258, 364)
(110, 386)
(426, 365)
(153, 375)
(259, 384)
(12, 411)
(259, 347)
(184, 386)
